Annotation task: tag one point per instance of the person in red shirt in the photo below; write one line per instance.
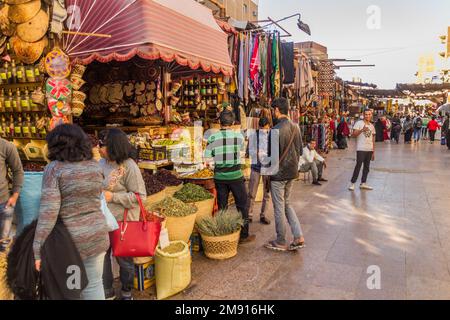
(433, 126)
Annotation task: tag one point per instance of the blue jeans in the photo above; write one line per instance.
(6, 218)
(94, 271)
(281, 192)
(417, 132)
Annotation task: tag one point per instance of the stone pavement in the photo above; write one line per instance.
(403, 227)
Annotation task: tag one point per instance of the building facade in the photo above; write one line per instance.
(241, 10)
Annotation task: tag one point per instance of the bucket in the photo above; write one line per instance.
(180, 228)
(27, 209)
(172, 269)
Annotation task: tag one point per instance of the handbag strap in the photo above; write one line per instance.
(141, 207)
(286, 150)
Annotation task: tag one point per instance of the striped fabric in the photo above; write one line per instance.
(150, 29)
(225, 147)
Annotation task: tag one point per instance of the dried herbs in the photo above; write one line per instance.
(192, 193)
(152, 184)
(171, 207)
(222, 224)
(167, 178)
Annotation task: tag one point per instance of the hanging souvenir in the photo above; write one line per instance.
(58, 108)
(56, 121)
(59, 89)
(57, 64)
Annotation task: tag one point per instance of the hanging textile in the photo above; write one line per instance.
(287, 59)
(276, 77)
(241, 66)
(263, 62)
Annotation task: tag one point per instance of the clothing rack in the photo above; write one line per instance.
(317, 132)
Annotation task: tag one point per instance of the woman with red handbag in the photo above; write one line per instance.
(123, 182)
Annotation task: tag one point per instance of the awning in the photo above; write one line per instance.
(171, 30)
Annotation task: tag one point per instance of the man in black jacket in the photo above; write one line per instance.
(286, 171)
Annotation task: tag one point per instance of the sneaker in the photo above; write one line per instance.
(323, 180)
(126, 295)
(365, 187)
(248, 239)
(316, 183)
(264, 220)
(352, 187)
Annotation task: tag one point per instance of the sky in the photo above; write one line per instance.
(405, 30)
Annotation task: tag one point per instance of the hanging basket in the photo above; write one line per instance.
(180, 228)
(155, 198)
(221, 248)
(5, 291)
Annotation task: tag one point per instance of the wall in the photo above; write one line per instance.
(235, 8)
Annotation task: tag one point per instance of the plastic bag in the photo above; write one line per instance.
(111, 221)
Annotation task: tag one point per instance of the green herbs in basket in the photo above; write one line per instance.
(171, 207)
(193, 193)
(222, 224)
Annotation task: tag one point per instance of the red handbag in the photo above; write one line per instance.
(136, 238)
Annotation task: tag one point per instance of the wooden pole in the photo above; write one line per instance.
(86, 34)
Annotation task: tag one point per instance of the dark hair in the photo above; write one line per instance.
(263, 122)
(433, 117)
(282, 104)
(118, 146)
(227, 118)
(68, 142)
(310, 139)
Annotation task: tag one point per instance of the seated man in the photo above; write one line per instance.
(311, 160)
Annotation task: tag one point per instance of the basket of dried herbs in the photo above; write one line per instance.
(220, 234)
(203, 199)
(180, 217)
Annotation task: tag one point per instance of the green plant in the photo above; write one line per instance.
(192, 193)
(222, 224)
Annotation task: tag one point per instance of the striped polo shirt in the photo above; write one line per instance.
(225, 147)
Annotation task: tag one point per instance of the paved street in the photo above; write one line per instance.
(403, 227)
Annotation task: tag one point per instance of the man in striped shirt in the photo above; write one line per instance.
(224, 149)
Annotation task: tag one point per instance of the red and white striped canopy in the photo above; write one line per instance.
(172, 30)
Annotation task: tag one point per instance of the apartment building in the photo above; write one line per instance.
(241, 10)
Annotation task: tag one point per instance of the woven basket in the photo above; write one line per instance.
(170, 191)
(5, 291)
(205, 209)
(180, 228)
(221, 248)
(154, 198)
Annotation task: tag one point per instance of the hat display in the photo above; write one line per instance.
(16, 1)
(77, 81)
(21, 13)
(34, 29)
(57, 64)
(7, 27)
(28, 52)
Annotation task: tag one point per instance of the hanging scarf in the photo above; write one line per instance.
(255, 67)
(276, 75)
(241, 66)
(263, 63)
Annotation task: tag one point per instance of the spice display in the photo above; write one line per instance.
(171, 207)
(152, 184)
(192, 193)
(167, 178)
(222, 224)
(202, 174)
(33, 167)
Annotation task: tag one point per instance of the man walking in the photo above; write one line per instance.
(364, 132)
(417, 128)
(289, 142)
(225, 148)
(9, 158)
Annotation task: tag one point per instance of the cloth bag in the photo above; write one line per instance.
(111, 221)
(136, 238)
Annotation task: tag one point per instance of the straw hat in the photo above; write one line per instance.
(16, 1)
(28, 52)
(7, 27)
(35, 29)
(21, 13)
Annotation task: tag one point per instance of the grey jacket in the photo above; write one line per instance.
(9, 158)
(288, 167)
(124, 182)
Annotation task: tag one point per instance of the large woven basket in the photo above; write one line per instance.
(170, 191)
(180, 228)
(205, 209)
(221, 248)
(154, 198)
(5, 291)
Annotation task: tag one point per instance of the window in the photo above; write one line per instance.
(245, 11)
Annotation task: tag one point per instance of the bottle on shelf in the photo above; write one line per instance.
(30, 74)
(4, 74)
(18, 127)
(8, 73)
(17, 106)
(26, 127)
(33, 129)
(37, 73)
(9, 101)
(2, 100)
(5, 127)
(11, 126)
(26, 101)
(21, 76)
(13, 72)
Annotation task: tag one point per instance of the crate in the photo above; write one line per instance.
(144, 276)
(153, 154)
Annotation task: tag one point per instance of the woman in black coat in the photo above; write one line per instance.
(379, 131)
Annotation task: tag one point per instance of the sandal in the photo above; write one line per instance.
(273, 245)
(296, 246)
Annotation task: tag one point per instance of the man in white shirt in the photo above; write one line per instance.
(364, 132)
(312, 161)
